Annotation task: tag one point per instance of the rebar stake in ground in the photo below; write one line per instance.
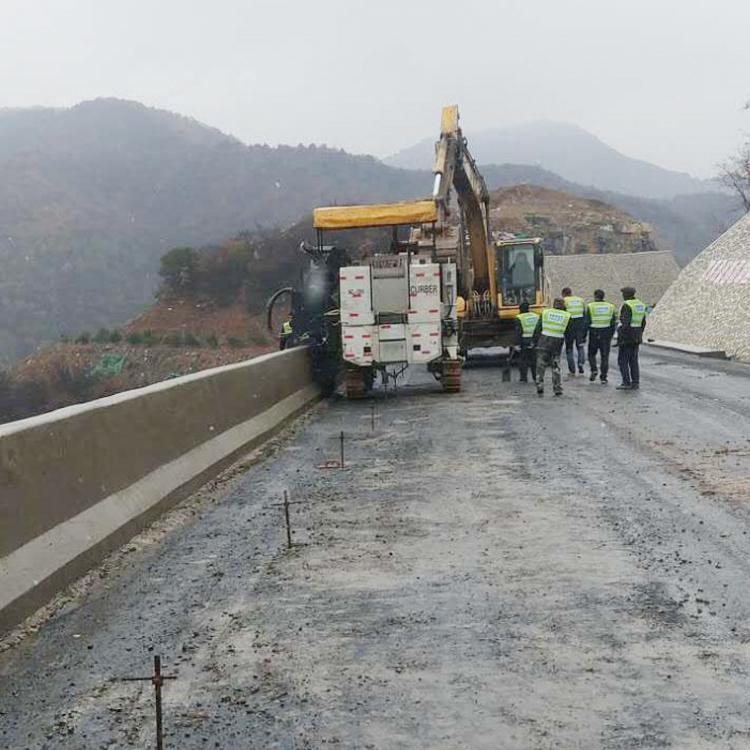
(286, 517)
(157, 680)
(287, 521)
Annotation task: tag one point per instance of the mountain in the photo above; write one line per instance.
(569, 151)
(684, 224)
(92, 196)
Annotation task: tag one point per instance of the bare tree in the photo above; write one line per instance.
(734, 173)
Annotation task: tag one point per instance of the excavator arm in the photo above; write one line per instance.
(455, 167)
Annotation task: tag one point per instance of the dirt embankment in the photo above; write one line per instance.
(176, 336)
(567, 223)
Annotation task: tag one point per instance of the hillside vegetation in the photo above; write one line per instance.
(210, 309)
(92, 196)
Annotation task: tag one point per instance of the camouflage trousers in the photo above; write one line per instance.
(545, 359)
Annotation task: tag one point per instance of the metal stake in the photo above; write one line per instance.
(157, 680)
(341, 438)
(286, 516)
(372, 419)
(285, 505)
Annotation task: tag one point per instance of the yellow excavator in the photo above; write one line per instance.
(494, 275)
(451, 287)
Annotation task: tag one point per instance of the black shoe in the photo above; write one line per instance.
(558, 393)
(580, 370)
(539, 391)
(624, 387)
(635, 386)
(604, 381)
(523, 380)
(592, 377)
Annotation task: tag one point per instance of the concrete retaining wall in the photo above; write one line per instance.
(78, 482)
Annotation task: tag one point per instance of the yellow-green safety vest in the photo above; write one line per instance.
(554, 322)
(637, 312)
(574, 305)
(600, 313)
(528, 323)
(286, 328)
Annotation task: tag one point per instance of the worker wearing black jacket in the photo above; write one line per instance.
(601, 318)
(525, 326)
(576, 333)
(629, 338)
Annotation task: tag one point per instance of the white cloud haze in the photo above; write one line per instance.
(663, 80)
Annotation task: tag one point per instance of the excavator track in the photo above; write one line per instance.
(451, 378)
(354, 383)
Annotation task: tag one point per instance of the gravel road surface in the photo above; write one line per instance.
(489, 570)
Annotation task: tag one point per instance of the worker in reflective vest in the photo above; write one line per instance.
(548, 339)
(525, 326)
(576, 330)
(286, 333)
(601, 319)
(629, 338)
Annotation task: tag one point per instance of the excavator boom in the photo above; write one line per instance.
(455, 168)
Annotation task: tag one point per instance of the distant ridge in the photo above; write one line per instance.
(569, 151)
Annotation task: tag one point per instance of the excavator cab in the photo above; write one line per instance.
(519, 270)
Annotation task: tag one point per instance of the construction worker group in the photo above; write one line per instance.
(571, 321)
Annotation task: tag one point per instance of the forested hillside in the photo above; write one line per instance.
(92, 196)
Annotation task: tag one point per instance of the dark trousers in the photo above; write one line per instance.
(627, 359)
(576, 334)
(526, 362)
(599, 342)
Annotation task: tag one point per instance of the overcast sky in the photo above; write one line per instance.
(663, 80)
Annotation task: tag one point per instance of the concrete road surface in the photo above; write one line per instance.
(489, 570)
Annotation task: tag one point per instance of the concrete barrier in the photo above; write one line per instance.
(78, 482)
(698, 351)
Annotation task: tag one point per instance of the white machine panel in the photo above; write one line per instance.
(424, 293)
(424, 342)
(391, 331)
(450, 290)
(392, 342)
(359, 344)
(390, 290)
(392, 351)
(355, 288)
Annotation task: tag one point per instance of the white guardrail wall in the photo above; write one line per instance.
(79, 482)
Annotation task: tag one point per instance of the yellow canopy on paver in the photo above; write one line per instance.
(375, 215)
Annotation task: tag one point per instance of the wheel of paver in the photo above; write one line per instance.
(451, 376)
(354, 382)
